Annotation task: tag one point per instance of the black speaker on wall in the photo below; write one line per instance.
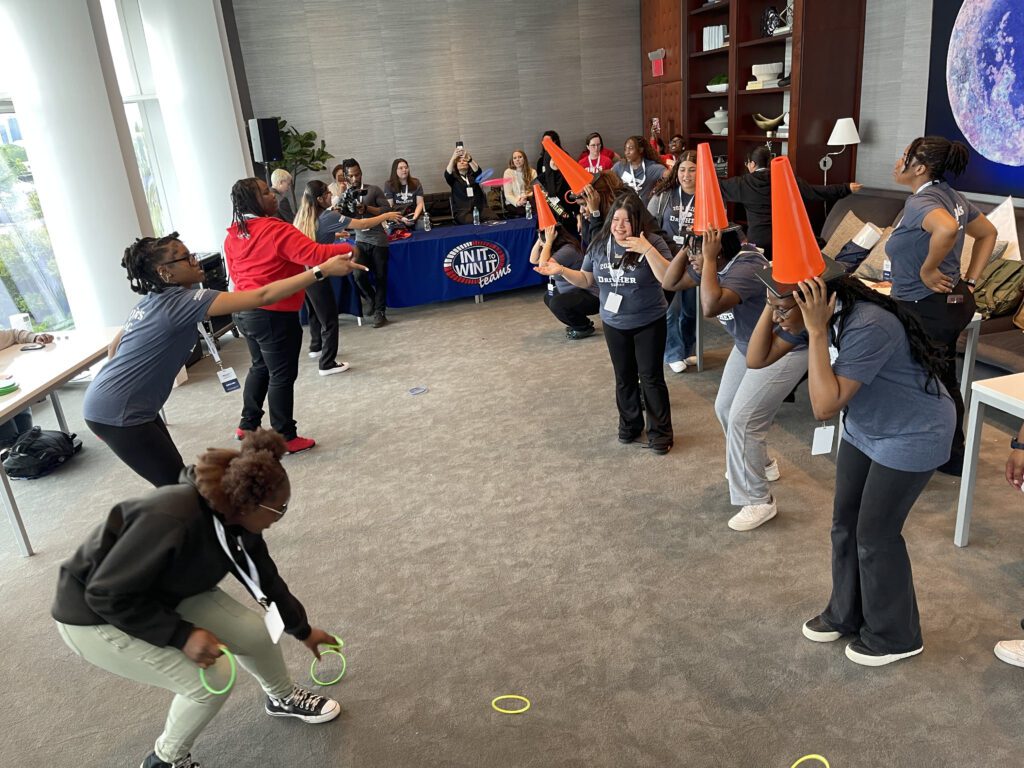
(265, 140)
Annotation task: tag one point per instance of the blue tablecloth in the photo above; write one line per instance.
(462, 261)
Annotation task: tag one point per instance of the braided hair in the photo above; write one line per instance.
(245, 201)
(939, 155)
(141, 259)
(929, 355)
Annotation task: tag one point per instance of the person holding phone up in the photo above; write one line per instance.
(467, 194)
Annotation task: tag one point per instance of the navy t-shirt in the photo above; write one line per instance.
(739, 275)
(403, 199)
(892, 418)
(678, 215)
(571, 257)
(157, 339)
(642, 178)
(643, 299)
(329, 225)
(907, 247)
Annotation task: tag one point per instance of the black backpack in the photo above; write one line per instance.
(39, 451)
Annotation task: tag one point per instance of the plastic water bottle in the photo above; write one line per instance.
(426, 221)
(476, 216)
(886, 269)
(529, 210)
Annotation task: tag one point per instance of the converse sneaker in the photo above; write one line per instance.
(574, 334)
(1010, 651)
(299, 444)
(333, 369)
(314, 353)
(859, 653)
(307, 706)
(753, 515)
(820, 631)
(771, 471)
(677, 366)
(152, 761)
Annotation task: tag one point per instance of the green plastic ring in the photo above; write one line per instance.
(511, 697)
(805, 758)
(334, 650)
(231, 679)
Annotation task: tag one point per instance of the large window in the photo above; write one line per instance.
(29, 280)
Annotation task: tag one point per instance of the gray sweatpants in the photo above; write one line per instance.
(238, 628)
(746, 405)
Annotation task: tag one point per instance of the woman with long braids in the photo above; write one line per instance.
(872, 359)
(674, 195)
(925, 249)
(260, 248)
(140, 598)
(122, 405)
(627, 263)
(639, 168)
(318, 221)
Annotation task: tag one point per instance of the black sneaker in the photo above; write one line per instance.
(379, 319)
(820, 631)
(627, 439)
(659, 448)
(573, 334)
(861, 654)
(152, 761)
(305, 705)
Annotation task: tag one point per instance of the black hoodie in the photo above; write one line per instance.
(152, 553)
(754, 191)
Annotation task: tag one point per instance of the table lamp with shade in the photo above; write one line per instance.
(843, 134)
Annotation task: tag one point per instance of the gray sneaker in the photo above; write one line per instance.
(307, 706)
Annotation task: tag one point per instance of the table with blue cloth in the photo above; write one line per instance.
(462, 261)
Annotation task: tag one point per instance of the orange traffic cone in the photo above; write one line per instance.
(545, 218)
(708, 207)
(574, 174)
(795, 252)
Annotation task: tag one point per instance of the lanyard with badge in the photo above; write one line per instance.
(594, 166)
(226, 376)
(636, 182)
(682, 214)
(469, 185)
(272, 619)
(824, 436)
(614, 300)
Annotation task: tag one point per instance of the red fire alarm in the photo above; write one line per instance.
(657, 62)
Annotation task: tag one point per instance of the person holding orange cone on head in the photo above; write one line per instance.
(571, 305)
(727, 271)
(871, 359)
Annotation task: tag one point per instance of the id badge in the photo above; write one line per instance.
(833, 354)
(679, 239)
(228, 379)
(823, 439)
(274, 623)
(469, 191)
(613, 302)
(551, 287)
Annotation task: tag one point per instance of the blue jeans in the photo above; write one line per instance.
(681, 341)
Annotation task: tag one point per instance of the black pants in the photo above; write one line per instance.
(376, 258)
(322, 307)
(636, 354)
(944, 322)
(147, 449)
(872, 584)
(573, 308)
(275, 341)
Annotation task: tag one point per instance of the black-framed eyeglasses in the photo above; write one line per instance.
(191, 259)
(781, 313)
(279, 512)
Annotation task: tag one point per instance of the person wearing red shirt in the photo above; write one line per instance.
(595, 158)
(261, 248)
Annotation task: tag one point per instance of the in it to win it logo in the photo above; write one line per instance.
(478, 262)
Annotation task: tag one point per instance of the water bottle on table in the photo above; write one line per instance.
(529, 210)
(476, 215)
(426, 221)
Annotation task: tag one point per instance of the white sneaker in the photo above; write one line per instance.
(677, 366)
(691, 360)
(1010, 651)
(753, 515)
(315, 355)
(337, 368)
(771, 471)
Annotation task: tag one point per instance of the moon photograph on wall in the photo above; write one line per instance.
(985, 78)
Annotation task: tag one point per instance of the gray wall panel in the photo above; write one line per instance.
(377, 79)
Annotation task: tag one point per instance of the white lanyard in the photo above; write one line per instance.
(251, 579)
(681, 215)
(616, 274)
(211, 344)
(637, 181)
(594, 165)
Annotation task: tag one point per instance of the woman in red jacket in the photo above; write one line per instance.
(259, 249)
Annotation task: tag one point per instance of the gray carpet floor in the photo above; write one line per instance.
(491, 536)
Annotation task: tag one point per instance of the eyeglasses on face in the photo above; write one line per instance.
(191, 259)
(781, 313)
(279, 512)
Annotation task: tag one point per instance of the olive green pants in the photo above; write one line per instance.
(241, 630)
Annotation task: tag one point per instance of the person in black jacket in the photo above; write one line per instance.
(754, 191)
(140, 599)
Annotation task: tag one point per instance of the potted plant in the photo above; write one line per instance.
(718, 84)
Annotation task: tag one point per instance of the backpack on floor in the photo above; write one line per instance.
(39, 451)
(1000, 288)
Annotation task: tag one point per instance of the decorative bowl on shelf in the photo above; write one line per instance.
(720, 88)
(768, 123)
(767, 71)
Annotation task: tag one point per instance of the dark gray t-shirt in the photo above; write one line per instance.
(329, 225)
(375, 235)
(678, 215)
(892, 418)
(569, 256)
(403, 199)
(640, 179)
(907, 247)
(157, 339)
(643, 299)
(739, 275)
